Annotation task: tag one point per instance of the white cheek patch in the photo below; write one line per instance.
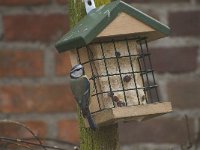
(78, 73)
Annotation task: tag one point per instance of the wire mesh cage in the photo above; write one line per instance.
(121, 72)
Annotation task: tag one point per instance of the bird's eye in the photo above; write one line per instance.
(78, 69)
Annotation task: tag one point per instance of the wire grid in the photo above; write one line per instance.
(145, 71)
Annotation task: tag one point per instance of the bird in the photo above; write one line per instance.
(81, 89)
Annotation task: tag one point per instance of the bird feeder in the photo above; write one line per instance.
(111, 42)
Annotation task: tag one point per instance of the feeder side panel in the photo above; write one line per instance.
(125, 24)
(73, 57)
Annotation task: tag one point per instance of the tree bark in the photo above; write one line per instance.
(104, 138)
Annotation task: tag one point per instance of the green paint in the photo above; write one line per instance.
(105, 138)
(91, 25)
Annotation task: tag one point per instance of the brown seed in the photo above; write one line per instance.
(121, 104)
(127, 78)
(115, 98)
(111, 94)
(143, 98)
(117, 54)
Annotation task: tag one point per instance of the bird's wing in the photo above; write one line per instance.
(86, 94)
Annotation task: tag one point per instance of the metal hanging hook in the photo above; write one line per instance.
(89, 5)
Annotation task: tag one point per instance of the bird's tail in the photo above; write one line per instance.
(91, 122)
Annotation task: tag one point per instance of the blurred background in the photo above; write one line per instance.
(34, 88)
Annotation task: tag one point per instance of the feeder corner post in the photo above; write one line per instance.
(106, 137)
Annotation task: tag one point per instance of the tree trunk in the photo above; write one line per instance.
(104, 138)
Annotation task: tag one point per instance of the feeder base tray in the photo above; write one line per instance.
(137, 113)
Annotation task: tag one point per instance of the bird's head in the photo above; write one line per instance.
(77, 71)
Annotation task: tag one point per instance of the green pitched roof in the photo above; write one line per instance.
(92, 24)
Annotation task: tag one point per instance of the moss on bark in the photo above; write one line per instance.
(105, 138)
